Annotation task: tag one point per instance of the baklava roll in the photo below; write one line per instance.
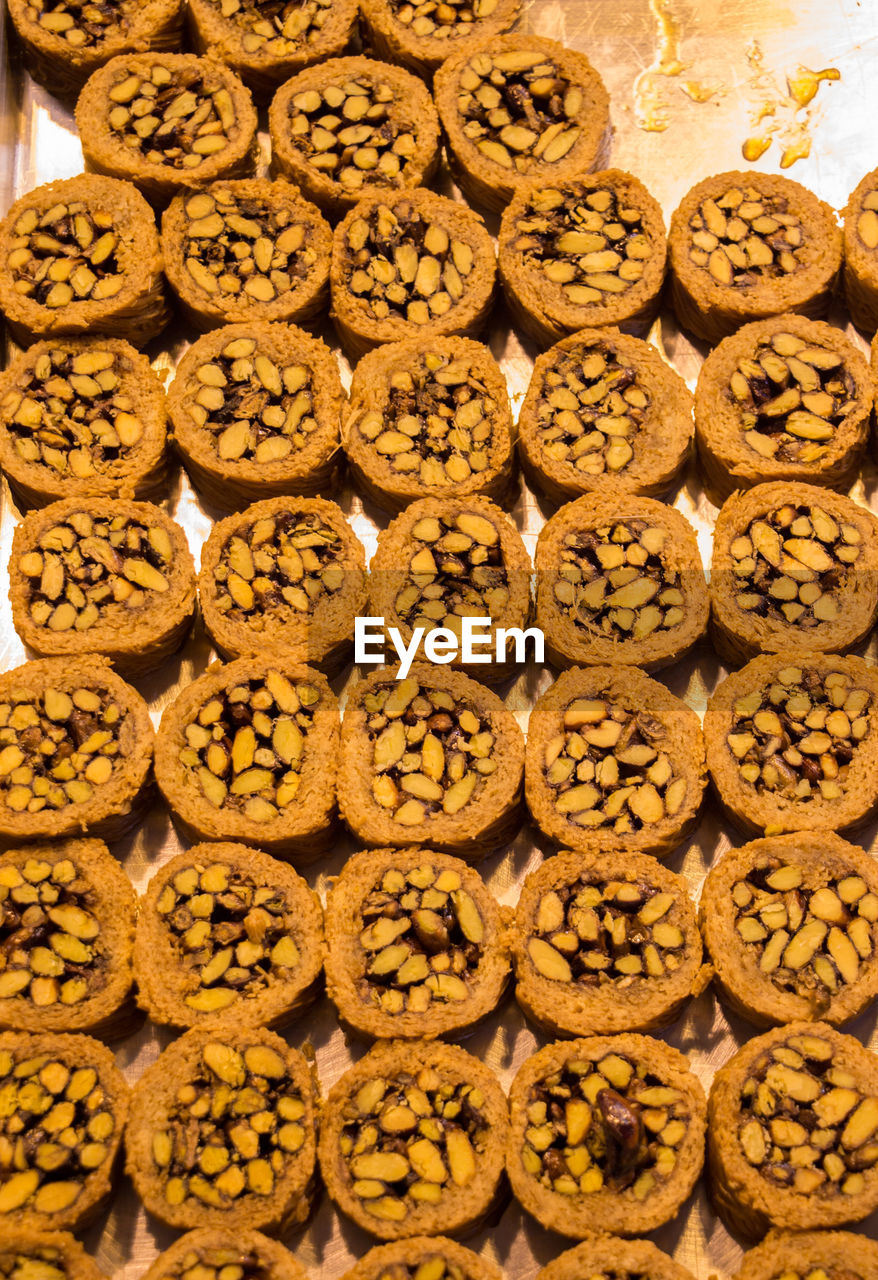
(421, 35)
(286, 571)
(255, 1171)
(434, 759)
(227, 935)
(102, 575)
(66, 939)
(429, 419)
(82, 417)
(791, 924)
(792, 743)
(53, 1255)
(425, 1258)
(352, 127)
(412, 1140)
(65, 1106)
(811, 1255)
(860, 259)
(791, 1137)
(608, 1258)
(76, 748)
(583, 252)
(166, 121)
(81, 255)
(248, 752)
(605, 943)
(604, 407)
(416, 945)
(224, 1253)
(744, 246)
(606, 1135)
(619, 579)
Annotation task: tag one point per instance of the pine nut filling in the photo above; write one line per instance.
(56, 1130)
(517, 107)
(49, 934)
(401, 265)
(441, 19)
(437, 422)
(745, 238)
(215, 1262)
(791, 397)
(41, 1262)
(457, 571)
(170, 118)
(608, 767)
(277, 28)
(590, 243)
(806, 1125)
(794, 563)
(590, 410)
(280, 565)
(431, 754)
(89, 570)
(255, 408)
(70, 412)
(232, 1130)
(613, 581)
(422, 937)
(246, 746)
(606, 933)
(242, 247)
(609, 1124)
(65, 254)
(82, 23)
(57, 748)
(867, 221)
(796, 737)
(407, 1140)
(231, 935)
(812, 939)
(359, 130)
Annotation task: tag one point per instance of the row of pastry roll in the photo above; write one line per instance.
(598, 1134)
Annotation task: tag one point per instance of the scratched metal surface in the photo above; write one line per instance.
(699, 75)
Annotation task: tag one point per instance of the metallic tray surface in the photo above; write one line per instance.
(698, 74)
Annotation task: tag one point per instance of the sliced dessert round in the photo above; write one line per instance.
(811, 1255)
(52, 1255)
(225, 1253)
(787, 398)
(255, 1170)
(65, 1104)
(286, 571)
(744, 246)
(75, 751)
(860, 257)
(102, 575)
(520, 109)
(81, 255)
(422, 34)
(349, 127)
(614, 761)
(603, 406)
(230, 936)
(416, 945)
(792, 743)
(255, 410)
(620, 580)
(66, 939)
(793, 567)
(443, 561)
(425, 1258)
(606, 1135)
(604, 943)
(791, 924)
(82, 416)
(266, 46)
(412, 1140)
(429, 419)
(583, 252)
(248, 751)
(409, 263)
(609, 1258)
(434, 758)
(249, 250)
(792, 1131)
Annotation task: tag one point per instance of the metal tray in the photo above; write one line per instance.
(690, 81)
